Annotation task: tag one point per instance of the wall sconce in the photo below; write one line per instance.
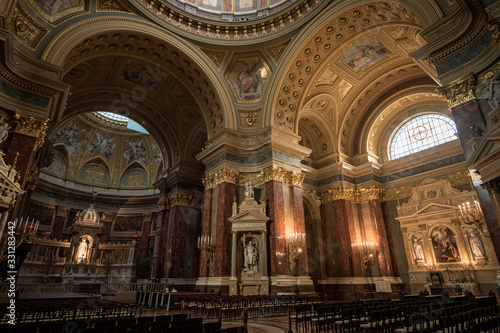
(296, 242)
(366, 251)
(206, 244)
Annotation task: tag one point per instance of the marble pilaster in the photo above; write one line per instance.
(223, 242)
(380, 237)
(342, 216)
(324, 239)
(143, 247)
(300, 227)
(206, 225)
(163, 220)
(277, 232)
(57, 228)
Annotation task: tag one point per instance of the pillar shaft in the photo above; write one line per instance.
(491, 210)
(325, 242)
(143, 250)
(263, 241)
(177, 240)
(223, 243)
(206, 226)
(300, 227)
(380, 237)
(343, 218)
(163, 219)
(277, 232)
(233, 255)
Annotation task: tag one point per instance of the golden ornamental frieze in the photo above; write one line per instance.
(295, 179)
(181, 200)
(163, 204)
(250, 118)
(339, 193)
(277, 50)
(460, 92)
(372, 193)
(62, 211)
(226, 175)
(25, 28)
(111, 5)
(274, 173)
(31, 126)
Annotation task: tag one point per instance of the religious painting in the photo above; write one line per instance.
(210, 4)
(248, 76)
(146, 76)
(136, 151)
(245, 5)
(57, 166)
(157, 152)
(102, 144)
(70, 136)
(445, 245)
(135, 178)
(365, 54)
(53, 7)
(94, 174)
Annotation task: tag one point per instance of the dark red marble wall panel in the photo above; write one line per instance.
(341, 217)
(324, 239)
(163, 219)
(25, 146)
(362, 230)
(277, 232)
(380, 237)
(222, 265)
(177, 240)
(206, 225)
(106, 231)
(143, 250)
(58, 227)
(390, 240)
(300, 227)
(353, 239)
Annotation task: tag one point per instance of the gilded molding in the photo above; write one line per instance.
(163, 204)
(277, 50)
(495, 30)
(372, 193)
(249, 118)
(215, 56)
(225, 175)
(31, 127)
(208, 182)
(181, 200)
(460, 92)
(62, 211)
(147, 217)
(339, 193)
(295, 179)
(33, 177)
(25, 28)
(274, 173)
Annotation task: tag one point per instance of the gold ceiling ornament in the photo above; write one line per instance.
(113, 5)
(277, 50)
(250, 118)
(62, 211)
(226, 175)
(25, 28)
(274, 173)
(216, 56)
(459, 92)
(147, 217)
(494, 27)
(181, 200)
(372, 193)
(339, 193)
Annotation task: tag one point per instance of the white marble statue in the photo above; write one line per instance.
(476, 246)
(249, 192)
(418, 250)
(251, 256)
(4, 130)
(82, 251)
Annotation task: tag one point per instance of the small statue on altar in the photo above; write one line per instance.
(82, 251)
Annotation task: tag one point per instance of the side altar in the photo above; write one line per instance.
(249, 264)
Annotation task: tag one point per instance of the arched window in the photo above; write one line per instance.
(420, 133)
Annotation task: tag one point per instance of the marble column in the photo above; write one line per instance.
(57, 228)
(277, 232)
(470, 123)
(107, 223)
(263, 241)
(299, 225)
(163, 221)
(343, 217)
(234, 255)
(492, 216)
(390, 240)
(223, 238)
(380, 236)
(328, 260)
(143, 247)
(362, 231)
(176, 243)
(206, 224)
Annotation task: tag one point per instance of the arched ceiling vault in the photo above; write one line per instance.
(358, 52)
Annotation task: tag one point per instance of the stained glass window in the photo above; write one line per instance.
(420, 133)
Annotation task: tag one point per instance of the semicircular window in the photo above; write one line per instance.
(420, 133)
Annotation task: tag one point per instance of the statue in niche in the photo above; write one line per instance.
(476, 246)
(82, 251)
(249, 192)
(251, 256)
(418, 250)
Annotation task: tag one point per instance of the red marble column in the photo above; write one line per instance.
(177, 240)
(362, 230)
(465, 115)
(343, 218)
(163, 220)
(380, 237)
(491, 211)
(326, 244)
(206, 226)
(143, 248)
(223, 241)
(61, 215)
(390, 240)
(277, 232)
(25, 146)
(300, 227)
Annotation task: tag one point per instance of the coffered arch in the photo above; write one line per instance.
(134, 37)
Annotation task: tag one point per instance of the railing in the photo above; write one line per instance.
(133, 287)
(40, 288)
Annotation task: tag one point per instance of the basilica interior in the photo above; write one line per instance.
(304, 147)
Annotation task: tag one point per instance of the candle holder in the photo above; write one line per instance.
(296, 242)
(472, 215)
(366, 252)
(22, 231)
(206, 244)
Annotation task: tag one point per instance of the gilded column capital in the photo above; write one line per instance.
(459, 92)
(208, 182)
(163, 204)
(225, 175)
(147, 217)
(263, 233)
(62, 211)
(235, 233)
(31, 126)
(404, 230)
(295, 179)
(108, 217)
(339, 193)
(181, 200)
(372, 193)
(274, 173)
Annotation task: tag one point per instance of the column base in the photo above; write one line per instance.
(213, 284)
(292, 285)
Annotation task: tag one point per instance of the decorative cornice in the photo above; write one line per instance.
(31, 126)
(181, 200)
(62, 211)
(225, 175)
(339, 193)
(459, 92)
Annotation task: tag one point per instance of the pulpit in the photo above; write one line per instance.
(249, 274)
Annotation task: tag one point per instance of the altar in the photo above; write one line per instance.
(249, 274)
